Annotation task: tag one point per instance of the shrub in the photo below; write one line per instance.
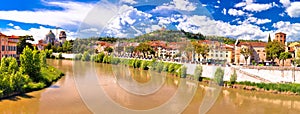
(152, 64)
(182, 72)
(137, 63)
(166, 66)
(144, 65)
(99, 57)
(218, 77)
(233, 77)
(159, 67)
(107, 59)
(115, 60)
(131, 62)
(60, 56)
(86, 56)
(171, 68)
(78, 56)
(198, 72)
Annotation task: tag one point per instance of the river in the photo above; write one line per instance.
(101, 88)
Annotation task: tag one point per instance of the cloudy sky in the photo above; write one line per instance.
(245, 19)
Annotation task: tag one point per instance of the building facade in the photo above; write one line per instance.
(8, 46)
(280, 37)
(258, 52)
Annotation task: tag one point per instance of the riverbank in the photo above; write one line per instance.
(49, 74)
(32, 73)
(181, 71)
(275, 88)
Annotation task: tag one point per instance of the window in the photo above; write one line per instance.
(216, 55)
(258, 50)
(3, 47)
(226, 55)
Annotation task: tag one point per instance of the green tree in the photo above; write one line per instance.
(23, 43)
(218, 77)
(30, 63)
(273, 50)
(269, 38)
(283, 56)
(86, 56)
(233, 77)
(143, 48)
(108, 49)
(202, 49)
(246, 52)
(198, 72)
(67, 46)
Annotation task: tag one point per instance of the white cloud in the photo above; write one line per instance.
(285, 3)
(241, 4)
(37, 33)
(17, 27)
(291, 29)
(72, 14)
(217, 6)
(282, 14)
(235, 12)
(281, 24)
(294, 10)
(129, 1)
(218, 1)
(254, 7)
(204, 5)
(10, 24)
(208, 26)
(183, 5)
(257, 21)
(224, 11)
(152, 28)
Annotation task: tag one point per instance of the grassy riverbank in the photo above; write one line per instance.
(276, 88)
(31, 74)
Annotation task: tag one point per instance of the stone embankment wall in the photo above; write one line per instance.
(65, 55)
(255, 74)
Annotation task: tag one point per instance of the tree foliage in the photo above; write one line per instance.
(202, 49)
(23, 43)
(30, 63)
(273, 50)
(218, 77)
(284, 55)
(143, 48)
(246, 52)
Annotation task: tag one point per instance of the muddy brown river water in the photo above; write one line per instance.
(101, 88)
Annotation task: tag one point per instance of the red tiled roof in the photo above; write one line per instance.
(280, 33)
(1, 34)
(253, 44)
(14, 37)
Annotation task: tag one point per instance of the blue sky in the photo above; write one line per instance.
(244, 19)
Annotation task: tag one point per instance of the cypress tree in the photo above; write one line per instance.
(269, 39)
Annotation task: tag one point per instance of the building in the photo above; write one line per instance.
(257, 49)
(62, 36)
(8, 46)
(280, 37)
(217, 51)
(101, 45)
(50, 38)
(41, 45)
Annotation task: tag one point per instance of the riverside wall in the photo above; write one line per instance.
(258, 75)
